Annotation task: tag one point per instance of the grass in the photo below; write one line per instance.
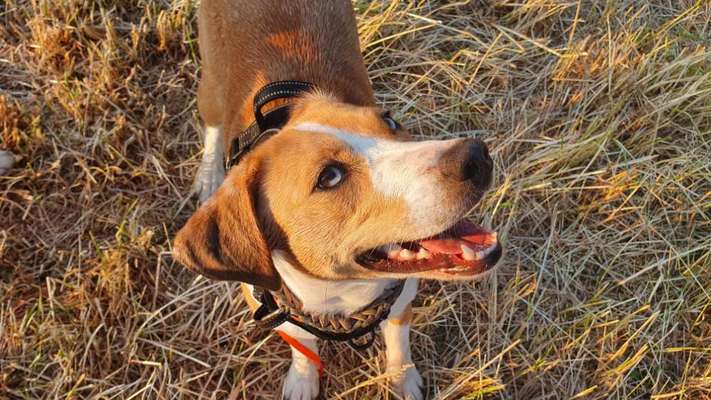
(598, 114)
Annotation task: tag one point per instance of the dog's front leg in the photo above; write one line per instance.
(211, 172)
(302, 379)
(406, 380)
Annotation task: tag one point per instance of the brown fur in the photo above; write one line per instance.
(327, 228)
(320, 231)
(269, 201)
(317, 229)
(224, 239)
(247, 44)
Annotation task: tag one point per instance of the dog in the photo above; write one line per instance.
(338, 205)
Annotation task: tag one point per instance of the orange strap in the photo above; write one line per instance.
(313, 357)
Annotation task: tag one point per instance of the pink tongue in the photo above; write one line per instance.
(463, 233)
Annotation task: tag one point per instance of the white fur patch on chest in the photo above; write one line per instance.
(328, 297)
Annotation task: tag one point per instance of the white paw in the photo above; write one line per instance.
(209, 176)
(407, 384)
(301, 382)
(7, 160)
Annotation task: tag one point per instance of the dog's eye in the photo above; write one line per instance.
(391, 122)
(330, 177)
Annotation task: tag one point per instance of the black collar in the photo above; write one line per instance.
(283, 306)
(265, 125)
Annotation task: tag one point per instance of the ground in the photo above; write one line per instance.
(598, 115)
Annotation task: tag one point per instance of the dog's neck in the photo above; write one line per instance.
(328, 297)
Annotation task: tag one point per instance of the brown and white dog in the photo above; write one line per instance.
(340, 203)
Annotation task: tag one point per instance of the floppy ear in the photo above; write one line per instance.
(223, 239)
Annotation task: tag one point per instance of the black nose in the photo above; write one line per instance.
(469, 160)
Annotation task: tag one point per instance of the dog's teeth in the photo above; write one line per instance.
(423, 254)
(468, 254)
(406, 255)
(392, 250)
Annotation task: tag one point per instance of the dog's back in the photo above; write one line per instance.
(309, 40)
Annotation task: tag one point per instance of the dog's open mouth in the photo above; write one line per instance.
(464, 249)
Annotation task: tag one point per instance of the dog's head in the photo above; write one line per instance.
(346, 194)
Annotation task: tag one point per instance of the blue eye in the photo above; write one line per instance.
(330, 177)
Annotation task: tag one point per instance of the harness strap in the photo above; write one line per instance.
(273, 91)
(308, 353)
(265, 125)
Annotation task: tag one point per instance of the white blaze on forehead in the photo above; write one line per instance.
(406, 170)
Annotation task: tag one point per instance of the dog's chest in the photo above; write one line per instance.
(329, 297)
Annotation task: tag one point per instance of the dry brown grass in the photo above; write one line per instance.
(599, 117)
